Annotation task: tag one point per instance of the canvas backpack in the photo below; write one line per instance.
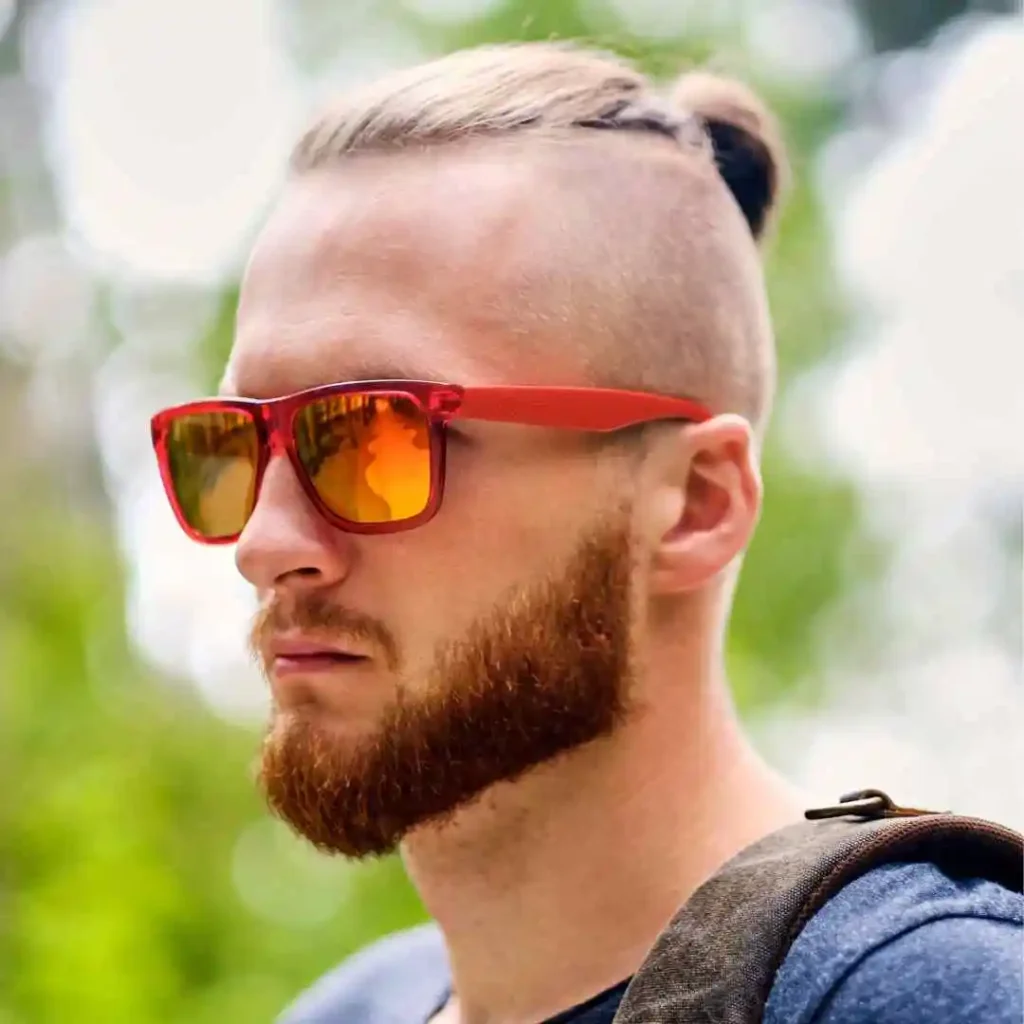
(716, 960)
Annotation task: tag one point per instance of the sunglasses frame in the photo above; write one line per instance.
(601, 410)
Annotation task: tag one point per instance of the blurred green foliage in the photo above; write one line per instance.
(140, 878)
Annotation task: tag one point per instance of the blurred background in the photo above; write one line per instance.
(877, 636)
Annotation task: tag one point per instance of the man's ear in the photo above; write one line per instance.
(703, 502)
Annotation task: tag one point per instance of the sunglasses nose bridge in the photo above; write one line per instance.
(277, 423)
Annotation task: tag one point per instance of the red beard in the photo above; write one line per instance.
(539, 676)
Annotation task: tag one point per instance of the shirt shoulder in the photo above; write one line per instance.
(395, 980)
(902, 944)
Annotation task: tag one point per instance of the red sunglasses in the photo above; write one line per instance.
(369, 454)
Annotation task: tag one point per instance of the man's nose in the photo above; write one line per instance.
(286, 542)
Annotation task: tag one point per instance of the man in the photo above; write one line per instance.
(501, 652)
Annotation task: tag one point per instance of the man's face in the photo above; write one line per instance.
(499, 634)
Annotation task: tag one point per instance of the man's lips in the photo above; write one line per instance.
(288, 656)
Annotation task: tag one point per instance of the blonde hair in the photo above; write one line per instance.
(548, 88)
(561, 90)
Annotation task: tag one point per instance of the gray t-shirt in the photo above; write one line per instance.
(903, 944)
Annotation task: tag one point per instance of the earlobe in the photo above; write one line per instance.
(706, 519)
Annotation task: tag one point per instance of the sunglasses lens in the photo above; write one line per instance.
(368, 455)
(212, 458)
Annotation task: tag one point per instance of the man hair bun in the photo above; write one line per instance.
(747, 142)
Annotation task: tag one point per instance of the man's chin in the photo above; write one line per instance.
(363, 796)
(315, 775)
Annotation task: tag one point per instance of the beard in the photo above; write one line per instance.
(544, 673)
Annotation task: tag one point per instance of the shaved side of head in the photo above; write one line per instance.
(643, 214)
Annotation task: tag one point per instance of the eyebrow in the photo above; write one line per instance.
(368, 371)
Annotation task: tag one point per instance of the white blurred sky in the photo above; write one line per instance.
(170, 123)
(925, 409)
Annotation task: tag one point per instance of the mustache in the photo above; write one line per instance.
(318, 617)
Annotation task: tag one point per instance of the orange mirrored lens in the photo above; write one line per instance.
(368, 455)
(213, 458)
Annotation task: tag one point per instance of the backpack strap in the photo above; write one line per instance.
(717, 958)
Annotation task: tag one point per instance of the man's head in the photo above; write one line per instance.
(530, 215)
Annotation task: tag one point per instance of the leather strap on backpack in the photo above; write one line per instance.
(717, 958)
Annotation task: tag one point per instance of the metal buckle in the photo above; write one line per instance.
(865, 803)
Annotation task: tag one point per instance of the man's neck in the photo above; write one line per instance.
(550, 889)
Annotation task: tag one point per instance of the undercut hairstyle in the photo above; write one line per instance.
(678, 293)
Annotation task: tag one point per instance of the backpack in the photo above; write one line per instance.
(716, 960)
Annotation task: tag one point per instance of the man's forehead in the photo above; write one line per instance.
(409, 275)
(358, 334)
(489, 262)
(381, 211)
(372, 271)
